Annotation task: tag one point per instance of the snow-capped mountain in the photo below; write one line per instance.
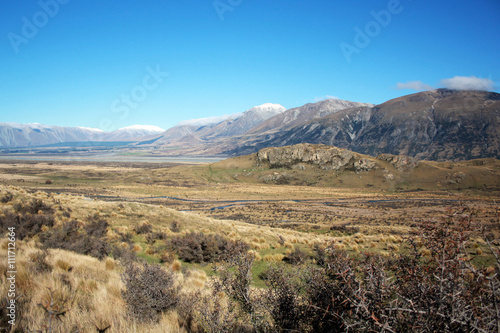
(249, 119)
(208, 129)
(26, 135)
(132, 132)
(304, 113)
(31, 135)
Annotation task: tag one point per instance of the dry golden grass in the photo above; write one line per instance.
(95, 286)
(92, 288)
(62, 264)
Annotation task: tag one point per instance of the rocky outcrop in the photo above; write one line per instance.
(400, 162)
(322, 156)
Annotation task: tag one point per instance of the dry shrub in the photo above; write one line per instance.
(26, 224)
(123, 252)
(7, 197)
(70, 236)
(39, 263)
(283, 298)
(175, 226)
(144, 228)
(34, 207)
(296, 257)
(199, 247)
(149, 291)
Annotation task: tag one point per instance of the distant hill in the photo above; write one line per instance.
(33, 135)
(435, 125)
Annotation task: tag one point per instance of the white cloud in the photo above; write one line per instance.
(414, 85)
(467, 83)
(322, 98)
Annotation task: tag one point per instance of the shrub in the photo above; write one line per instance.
(150, 290)
(124, 254)
(175, 227)
(38, 261)
(96, 226)
(27, 225)
(7, 197)
(199, 247)
(144, 228)
(284, 301)
(80, 240)
(296, 257)
(33, 207)
(152, 237)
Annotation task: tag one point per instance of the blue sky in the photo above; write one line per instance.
(110, 64)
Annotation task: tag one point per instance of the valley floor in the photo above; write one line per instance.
(176, 199)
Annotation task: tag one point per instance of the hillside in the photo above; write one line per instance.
(293, 117)
(321, 165)
(433, 125)
(186, 135)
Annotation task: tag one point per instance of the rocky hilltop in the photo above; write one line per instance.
(322, 165)
(325, 157)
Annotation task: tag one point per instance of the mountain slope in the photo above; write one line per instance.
(296, 116)
(209, 133)
(248, 120)
(435, 125)
(131, 132)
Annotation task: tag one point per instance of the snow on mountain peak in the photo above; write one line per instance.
(266, 110)
(148, 128)
(208, 120)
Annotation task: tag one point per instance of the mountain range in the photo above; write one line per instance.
(437, 125)
(434, 125)
(33, 135)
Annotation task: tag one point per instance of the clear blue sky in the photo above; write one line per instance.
(82, 60)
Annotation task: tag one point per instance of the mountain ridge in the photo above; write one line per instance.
(441, 124)
(34, 134)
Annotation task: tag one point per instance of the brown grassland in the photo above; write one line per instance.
(152, 211)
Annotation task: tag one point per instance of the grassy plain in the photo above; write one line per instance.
(360, 212)
(210, 196)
